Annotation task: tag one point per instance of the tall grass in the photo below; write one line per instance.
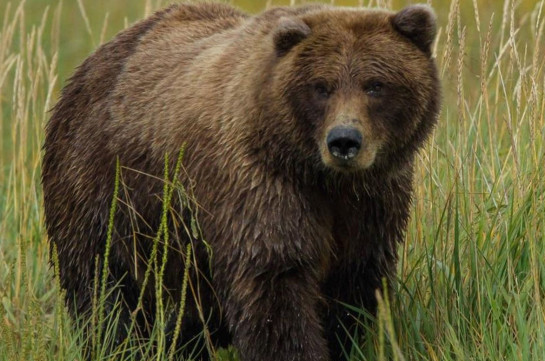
(471, 274)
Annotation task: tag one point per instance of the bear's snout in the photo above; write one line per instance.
(344, 143)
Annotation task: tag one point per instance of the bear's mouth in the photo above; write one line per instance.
(347, 162)
(347, 166)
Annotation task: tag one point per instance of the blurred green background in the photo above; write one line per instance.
(107, 17)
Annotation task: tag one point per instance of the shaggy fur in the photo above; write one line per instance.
(293, 231)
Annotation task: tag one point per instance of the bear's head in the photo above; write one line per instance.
(361, 85)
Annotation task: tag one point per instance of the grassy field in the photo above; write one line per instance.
(472, 272)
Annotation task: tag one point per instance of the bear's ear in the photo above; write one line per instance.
(288, 33)
(418, 23)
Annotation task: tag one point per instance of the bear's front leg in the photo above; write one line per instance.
(368, 230)
(272, 316)
(268, 278)
(354, 284)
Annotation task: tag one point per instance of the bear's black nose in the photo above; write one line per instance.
(343, 142)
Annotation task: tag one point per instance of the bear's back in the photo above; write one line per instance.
(150, 48)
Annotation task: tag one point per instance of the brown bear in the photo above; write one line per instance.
(300, 127)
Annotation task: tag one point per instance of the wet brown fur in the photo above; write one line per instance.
(292, 232)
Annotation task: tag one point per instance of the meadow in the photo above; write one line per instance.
(472, 270)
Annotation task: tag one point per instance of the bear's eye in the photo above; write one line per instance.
(375, 89)
(322, 90)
